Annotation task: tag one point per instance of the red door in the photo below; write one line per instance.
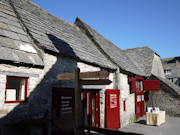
(112, 109)
(139, 104)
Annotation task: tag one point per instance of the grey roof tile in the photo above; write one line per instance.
(142, 57)
(58, 35)
(115, 53)
(8, 43)
(24, 38)
(11, 35)
(17, 29)
(2, 33)
(4, 26)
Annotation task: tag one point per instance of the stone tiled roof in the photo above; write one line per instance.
(15, 45)
(142, 57)
(57, 35)
(173, 86)
(108, 48)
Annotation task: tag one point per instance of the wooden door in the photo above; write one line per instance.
(112, 109)
(139, 104)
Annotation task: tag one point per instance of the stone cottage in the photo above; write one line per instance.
(168, 98)
(36, 46)
(172, 69)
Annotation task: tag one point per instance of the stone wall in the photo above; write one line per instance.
(126, 117)
(166, 99)
(40, 85)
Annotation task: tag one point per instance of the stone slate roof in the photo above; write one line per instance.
(57, 35)
(108, 48)
(173, 86)
(142, 57)
(15, 45)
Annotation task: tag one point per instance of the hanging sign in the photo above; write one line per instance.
(83, 75)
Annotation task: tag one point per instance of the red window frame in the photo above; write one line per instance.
(25, 94)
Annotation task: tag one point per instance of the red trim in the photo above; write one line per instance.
(133, 85)
(90, 109)
(124, 105)
(99, 109)
(139, 77)
(26, 87)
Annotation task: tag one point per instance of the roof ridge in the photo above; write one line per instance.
(77, 18)
(136, 48)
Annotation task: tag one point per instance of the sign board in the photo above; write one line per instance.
(83, 75)
(63, 111)
(113, 100)
(96, 82)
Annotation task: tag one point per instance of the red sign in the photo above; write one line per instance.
(112, 109)
(113, 100)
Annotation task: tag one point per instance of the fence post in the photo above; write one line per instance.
(78, 104)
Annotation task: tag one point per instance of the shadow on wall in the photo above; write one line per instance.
(40, 99)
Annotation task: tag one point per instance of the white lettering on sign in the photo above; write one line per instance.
(113, 100)
(66, 107)
(62, 97)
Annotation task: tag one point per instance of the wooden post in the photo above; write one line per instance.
(78, 104)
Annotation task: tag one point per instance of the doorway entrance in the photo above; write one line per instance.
(91, 103)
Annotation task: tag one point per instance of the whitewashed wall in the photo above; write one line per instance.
(126, 117)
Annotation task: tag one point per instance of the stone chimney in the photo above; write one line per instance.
(177, 62)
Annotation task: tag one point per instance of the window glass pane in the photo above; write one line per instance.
(15, 89)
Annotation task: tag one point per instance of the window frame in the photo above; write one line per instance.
(26, 88)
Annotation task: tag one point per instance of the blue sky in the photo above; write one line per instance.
(127, 23)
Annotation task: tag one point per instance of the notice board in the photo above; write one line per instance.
(63, 114)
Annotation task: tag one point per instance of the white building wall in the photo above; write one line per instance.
(126, 117)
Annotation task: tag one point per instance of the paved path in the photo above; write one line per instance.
(170, 127)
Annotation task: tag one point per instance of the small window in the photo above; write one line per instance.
(124, 105)
(167, 71)
(171, 79)
(16, 89)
